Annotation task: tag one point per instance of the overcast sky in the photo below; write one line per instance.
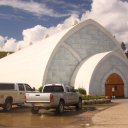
(23, 22)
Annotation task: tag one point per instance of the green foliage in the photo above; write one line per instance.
(3, 54)
(126, 54)
(91, 97)
(82, 91)
(40, 89)
(123, 46)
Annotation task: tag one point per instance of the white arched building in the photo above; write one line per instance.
(84, 56)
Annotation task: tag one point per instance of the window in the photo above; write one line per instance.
(67, 89)
(21, 87)
(58, 89)
(4, 86)
(28, 88)
(72, 89)
(53, 89)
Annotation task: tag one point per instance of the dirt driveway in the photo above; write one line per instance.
(22, 118)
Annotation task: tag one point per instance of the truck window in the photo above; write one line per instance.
(4, 86)
(21, 87)
(53, 89)
(68, 90)
(72, 90)
(28, 88)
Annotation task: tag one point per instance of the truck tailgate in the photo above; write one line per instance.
(37, 97)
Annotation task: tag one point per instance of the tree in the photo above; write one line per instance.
(82, 91)
(126, 54)
(123, 46)
(40, 89)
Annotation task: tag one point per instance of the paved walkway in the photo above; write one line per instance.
(114, 117)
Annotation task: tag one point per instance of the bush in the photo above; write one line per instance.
(91, 97)
(82, 91)
(40, 89)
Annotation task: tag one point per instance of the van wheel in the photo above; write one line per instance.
(79, 104)
(7, 105)
(34, 110)
(60, 108)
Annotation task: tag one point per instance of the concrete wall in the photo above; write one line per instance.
(90, 40)
(85, 42)
(62, 67)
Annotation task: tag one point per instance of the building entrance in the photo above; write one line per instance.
(114, 86)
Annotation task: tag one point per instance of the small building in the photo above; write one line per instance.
(85, 56)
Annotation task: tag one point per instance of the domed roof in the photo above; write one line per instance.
(30, 64)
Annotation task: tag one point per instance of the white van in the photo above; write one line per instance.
(12, 94)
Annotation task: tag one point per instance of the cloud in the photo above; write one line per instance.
(31, 35)
(112, 15)
(2, 41)
(66, 24)
(35, 8)
(10, 16)
(34, 34)
(10, 45)
(69, 7)
(39, 32)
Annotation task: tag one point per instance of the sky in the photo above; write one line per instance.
(25, 22)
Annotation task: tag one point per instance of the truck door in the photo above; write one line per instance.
(73, 96)
(67, 96)
(21, 93)
(70, 95)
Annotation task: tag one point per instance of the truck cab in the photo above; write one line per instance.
(12, 94)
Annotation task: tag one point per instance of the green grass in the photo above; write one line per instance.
(3, 54)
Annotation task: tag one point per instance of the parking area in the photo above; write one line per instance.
(22, 118)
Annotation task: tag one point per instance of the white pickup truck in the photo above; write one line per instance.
(55, 96)
(12, 94)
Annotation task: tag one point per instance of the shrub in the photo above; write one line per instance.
(91, 97)
(40, 89)
(82, 91)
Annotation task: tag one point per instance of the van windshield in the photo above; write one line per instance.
(48, 89)
(4, 86)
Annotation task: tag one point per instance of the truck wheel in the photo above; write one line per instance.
(7, 105)
(34, 110)
(79, 104)
(60, 108)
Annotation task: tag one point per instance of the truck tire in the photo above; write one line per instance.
(34, 110)
(60, 108)
(7, 105)
(79, 104)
